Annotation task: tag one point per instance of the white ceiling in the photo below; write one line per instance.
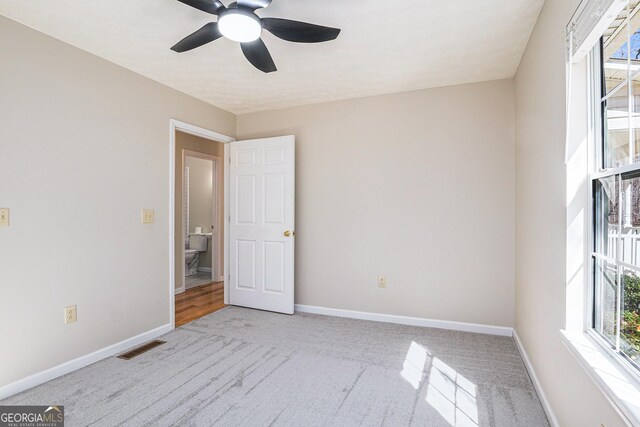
(385, 46)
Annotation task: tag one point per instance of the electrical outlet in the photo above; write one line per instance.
(382, 281)
(147, 216)
(70, 314)
(4, 217)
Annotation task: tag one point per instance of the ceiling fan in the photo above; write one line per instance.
(239, 22)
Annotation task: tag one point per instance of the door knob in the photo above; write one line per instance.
(289, 233)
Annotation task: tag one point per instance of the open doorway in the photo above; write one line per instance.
(199, 218)
(256, 195)
(198, 226)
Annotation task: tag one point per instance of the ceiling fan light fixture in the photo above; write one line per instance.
(240, 26)
(239, 23)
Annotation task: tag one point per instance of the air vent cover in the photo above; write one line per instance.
(142, 349)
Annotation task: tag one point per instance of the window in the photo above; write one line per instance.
(616, 189)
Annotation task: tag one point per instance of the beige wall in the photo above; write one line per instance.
(546, 204)
(84, 146)
(188, 142)
(418, 186)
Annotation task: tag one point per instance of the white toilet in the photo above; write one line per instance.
(197, 243)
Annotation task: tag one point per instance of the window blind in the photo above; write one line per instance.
(588, 24)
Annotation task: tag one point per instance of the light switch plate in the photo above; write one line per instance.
(147, 216)
(382, 281)
(4, 217)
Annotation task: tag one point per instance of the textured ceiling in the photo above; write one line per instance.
(384, 46)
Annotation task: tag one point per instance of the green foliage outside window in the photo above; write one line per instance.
(630, 321)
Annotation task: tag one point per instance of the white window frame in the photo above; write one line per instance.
(611, 373)
(598, 171)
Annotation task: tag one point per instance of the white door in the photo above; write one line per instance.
(261, 229)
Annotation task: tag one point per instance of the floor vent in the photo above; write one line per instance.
(142, 349)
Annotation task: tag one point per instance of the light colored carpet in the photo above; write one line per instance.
(241, 367)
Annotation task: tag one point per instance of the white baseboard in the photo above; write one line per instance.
(180, 290)
(204, 269)
(404, 320)
(551, 416)
(221, 278)
(80, 362)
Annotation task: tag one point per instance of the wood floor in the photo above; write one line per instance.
(199, 301)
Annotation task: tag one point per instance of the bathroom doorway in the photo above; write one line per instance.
(200, 218)
(199, 211)
(199, 226)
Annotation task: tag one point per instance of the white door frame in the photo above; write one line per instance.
(216, 266)
(176, 125)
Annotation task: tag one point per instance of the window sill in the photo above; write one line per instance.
(622, 390)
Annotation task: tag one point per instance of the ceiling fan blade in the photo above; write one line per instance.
(209, 6)
(258, 54)
(204, 35)
(300, 32)
(254, 4)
